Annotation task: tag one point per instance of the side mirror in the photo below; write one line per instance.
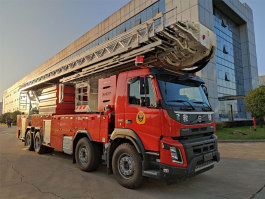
(204, 88)
(145, 101)
(144, 86)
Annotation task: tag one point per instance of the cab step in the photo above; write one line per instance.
(152, 173)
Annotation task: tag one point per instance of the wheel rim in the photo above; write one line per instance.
(126, 165)
(83, 155)
(28, 139)
(37, 145)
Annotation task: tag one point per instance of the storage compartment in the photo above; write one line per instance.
(47, 131)
(67, 144)
(107, 90)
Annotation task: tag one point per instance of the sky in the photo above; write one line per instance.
(32, 31)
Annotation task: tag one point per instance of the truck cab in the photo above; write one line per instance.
(169, 117)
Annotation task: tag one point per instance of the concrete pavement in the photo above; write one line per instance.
(25, 174)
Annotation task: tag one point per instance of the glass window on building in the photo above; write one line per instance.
(229, 69)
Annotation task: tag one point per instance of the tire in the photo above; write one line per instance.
(49, 149)
(29, 143)
(87, 155)
(127, 166)
(39, 148)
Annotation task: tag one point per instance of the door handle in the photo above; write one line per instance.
(128, 121)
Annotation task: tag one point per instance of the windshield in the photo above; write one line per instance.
(184, 92)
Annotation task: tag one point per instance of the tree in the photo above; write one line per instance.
(10, 116)
(5, 117)
(255, 103)
(14, 116)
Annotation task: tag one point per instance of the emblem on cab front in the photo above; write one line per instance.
(199, 119)
(185, 118)
(210, 117)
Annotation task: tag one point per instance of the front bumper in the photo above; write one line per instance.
(198, 156)
(196, 166)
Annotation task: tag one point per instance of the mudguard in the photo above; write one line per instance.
(130, 135)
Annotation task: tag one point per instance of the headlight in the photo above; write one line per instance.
(176, 155)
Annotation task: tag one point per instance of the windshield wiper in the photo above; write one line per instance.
(204, 103)
(192, 108)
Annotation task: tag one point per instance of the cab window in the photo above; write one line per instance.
(134, 94)
(144, 96)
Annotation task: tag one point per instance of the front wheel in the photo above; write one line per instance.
(29, 141)
(87, 155)
(127, 166)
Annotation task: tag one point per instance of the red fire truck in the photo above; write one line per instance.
(147, 121)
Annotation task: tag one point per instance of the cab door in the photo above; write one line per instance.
(141, 112)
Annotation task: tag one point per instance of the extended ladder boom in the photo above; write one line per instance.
(179, 45)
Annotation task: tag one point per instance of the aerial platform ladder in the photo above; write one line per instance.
(162, 40)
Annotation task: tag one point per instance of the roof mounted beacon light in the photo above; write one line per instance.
(139, 60)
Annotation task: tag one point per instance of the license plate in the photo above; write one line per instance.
(208, 156)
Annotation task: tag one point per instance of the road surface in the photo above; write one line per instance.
(26, 174)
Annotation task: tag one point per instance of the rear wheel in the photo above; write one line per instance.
(39, 148)
(87, 155)
(49, 149)
(29, 141)
(127, 166)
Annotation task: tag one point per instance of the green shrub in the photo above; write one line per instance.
(9, 116)
(219, 125)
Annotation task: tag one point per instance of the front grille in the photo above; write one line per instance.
(199, 129)
(203, 148)
(195, 129)
(188, 133)
(198, 147)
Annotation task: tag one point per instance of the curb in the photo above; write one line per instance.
(240, 141)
